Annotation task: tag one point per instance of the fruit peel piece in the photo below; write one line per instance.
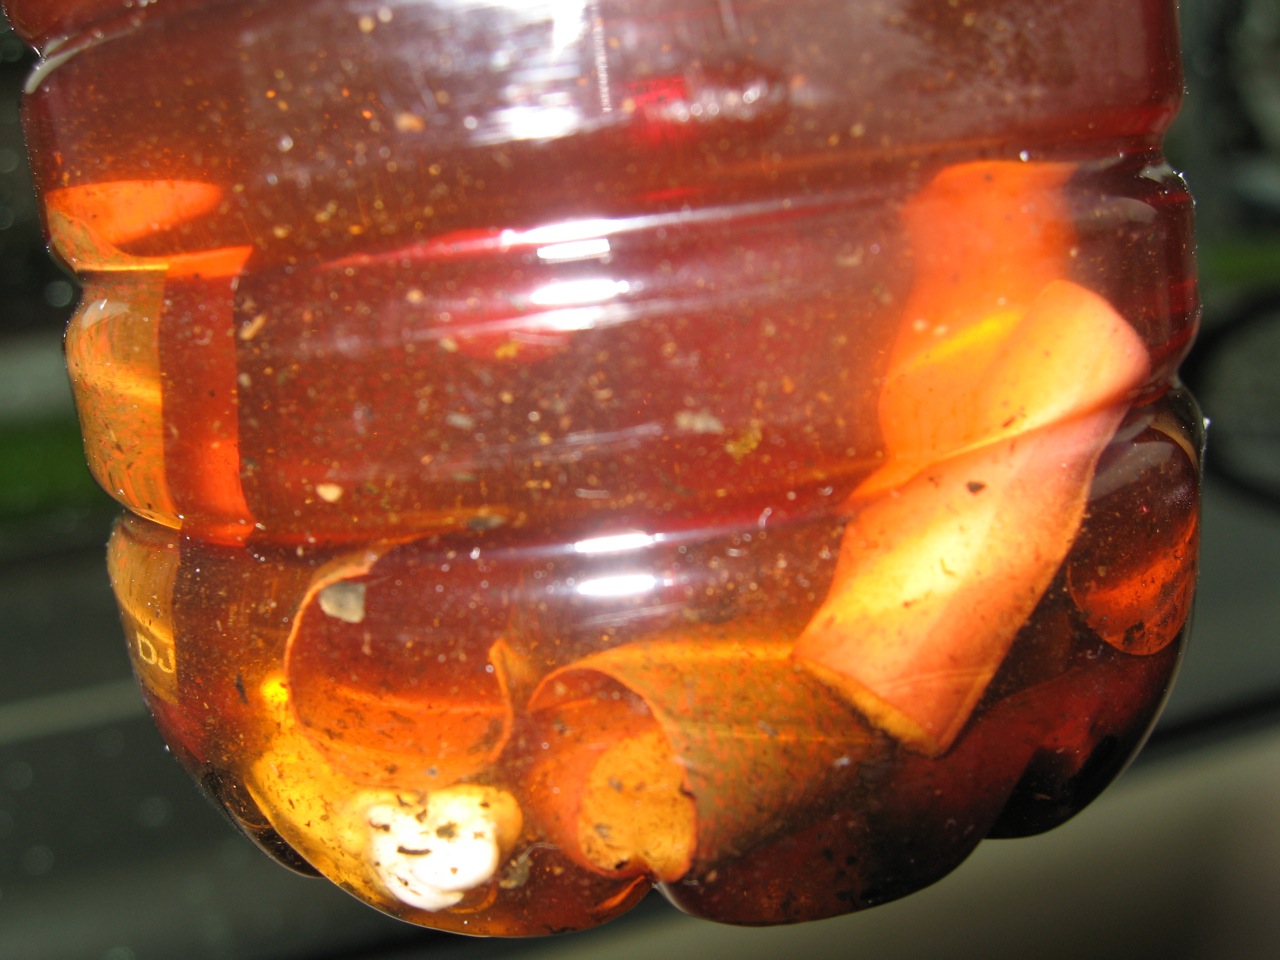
(670, 755)
(936, 578)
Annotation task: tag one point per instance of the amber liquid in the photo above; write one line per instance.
(496, 395)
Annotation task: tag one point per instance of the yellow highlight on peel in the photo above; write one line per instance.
(275, 691)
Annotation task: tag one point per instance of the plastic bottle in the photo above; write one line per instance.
(579, 445)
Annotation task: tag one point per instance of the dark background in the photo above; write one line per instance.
(107, 852)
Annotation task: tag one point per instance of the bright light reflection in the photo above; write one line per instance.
(574, 250)
(568, 231)
(568, 23)
(615, 543)
(561, 321)
(576, 293)
(536, 122)
(621, 585)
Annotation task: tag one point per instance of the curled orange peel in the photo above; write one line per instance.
(1005, 385)
(367, 708)
(674, 752)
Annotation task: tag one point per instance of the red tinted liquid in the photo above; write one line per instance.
(568, 449)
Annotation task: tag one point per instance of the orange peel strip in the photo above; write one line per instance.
(994, 413)
(386, 704)
(1145, 613)
(670, 753)
(141, 451)
(1135, 583)
(1068, 354)
(158, 411)
(201, 394)
(109, 214)
(987, 238)
(935, 579)
(113, 356)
